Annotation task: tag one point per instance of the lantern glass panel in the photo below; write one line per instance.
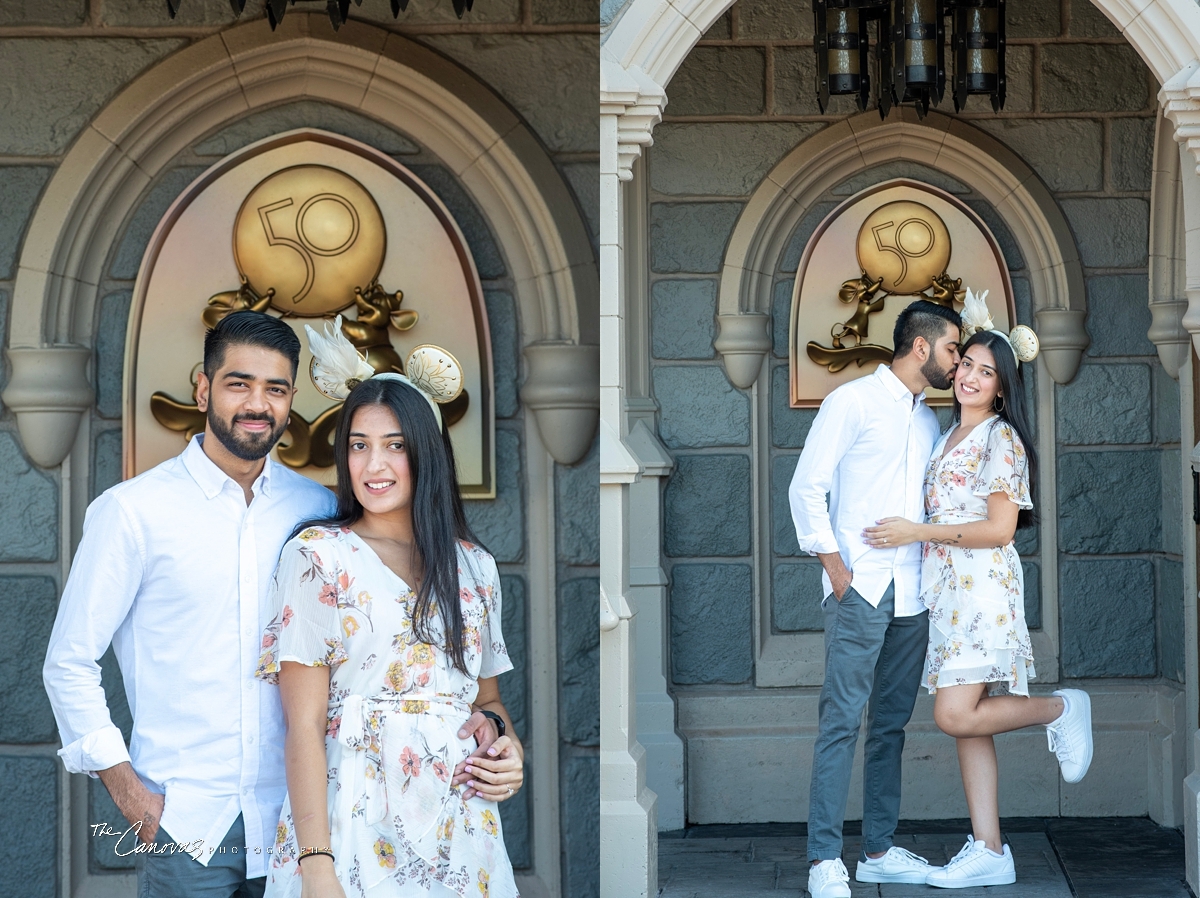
(843, 55)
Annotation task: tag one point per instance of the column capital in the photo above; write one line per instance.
(637, 102)
(1180, 100)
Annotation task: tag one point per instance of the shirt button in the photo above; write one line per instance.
(250, 739)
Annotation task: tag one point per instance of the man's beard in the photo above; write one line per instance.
(938, 379)
(245, 446)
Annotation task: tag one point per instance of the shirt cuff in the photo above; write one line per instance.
(822, 543)
(97, 750)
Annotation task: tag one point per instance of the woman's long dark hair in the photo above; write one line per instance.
(1013, 409)
(438, 517)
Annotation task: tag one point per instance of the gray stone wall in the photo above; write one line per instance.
(73, 56)
(744, 98)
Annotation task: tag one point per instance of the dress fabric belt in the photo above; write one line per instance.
(416, 736)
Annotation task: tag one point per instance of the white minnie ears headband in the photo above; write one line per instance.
(976, 317)
(337, 368)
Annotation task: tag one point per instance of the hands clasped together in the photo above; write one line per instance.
(495, 771)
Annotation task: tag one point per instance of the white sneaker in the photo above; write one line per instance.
(898, 865)
(829, 879)
(975, 865)
(1070, 737)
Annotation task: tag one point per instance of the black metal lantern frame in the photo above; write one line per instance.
(339, 10)
(910, 50)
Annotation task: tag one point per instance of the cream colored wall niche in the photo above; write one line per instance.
(901, 240)
(191, 258)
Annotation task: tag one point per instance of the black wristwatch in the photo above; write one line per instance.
(500, 727)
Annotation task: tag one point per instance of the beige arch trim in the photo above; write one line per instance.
(381, 75)
(655, 36)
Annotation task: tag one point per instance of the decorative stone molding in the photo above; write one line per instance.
(1168, 274)
(743, 342)
(563, 390)
(1180, 100)
(49, 392)
(1063, 338)
(637, 101)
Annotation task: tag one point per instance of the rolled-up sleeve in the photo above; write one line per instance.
(832, 433)
(105, 576)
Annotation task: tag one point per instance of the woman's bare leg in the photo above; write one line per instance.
(980, 776)
(965, 711)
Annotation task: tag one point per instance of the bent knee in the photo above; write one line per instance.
(952, 721)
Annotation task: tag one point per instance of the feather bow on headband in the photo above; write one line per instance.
(337, 368)
(976, 317)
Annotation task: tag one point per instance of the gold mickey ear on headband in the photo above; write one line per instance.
(435, 372)
(1024, 343)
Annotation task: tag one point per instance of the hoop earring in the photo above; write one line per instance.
(998, 408)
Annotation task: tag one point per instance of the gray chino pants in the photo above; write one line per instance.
(872, 657)
(178, 875)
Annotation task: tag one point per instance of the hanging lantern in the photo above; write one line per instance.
(979, 51)
(918, 52)
(842, 45)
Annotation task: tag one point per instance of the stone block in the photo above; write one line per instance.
(1032, 573)
(915, 171)
(1072, 74)
(683, 318)
(484, 249)
(699, 408)
(768, 20)
(1033, 18)
(102, 850)
(720, 81)
(720, 30)
(139, 13)
(110, 352)
(580, 795)
(1008, 244)
(690, 237)
(500, 523)
(711, 617)
(1028, 541)
(789, 426)
(149, 212)
(106, 461)
(3, 340)
(584, 178)
(1118, 316)
(20, 187)
(514, 685)
(26, 618)
(783, 530)
(579, 661)
(43, 12)
(1132, 152)
(1088, 21)
(1023, 300)
(1109, 502)
(609, 10)
(577, 501)
(781, 317)
(514, 824)
(721, 158)
(29, 496)
(1166, 406)
(553, 87)
(29, 791)
(1105, 404)
(506, 343)
(1107, 611)
(304, 114)
(555, 12)
(706, 506)
(1117, 782)
(1172, 646)
(789, 261)
(945, 416)
(795, 84)
(63, 83)
(796, 594)
(1111, 233)
(1040, 143)
(1172, 503)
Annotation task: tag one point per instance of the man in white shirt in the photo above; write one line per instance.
(867, 450)
(174, 569)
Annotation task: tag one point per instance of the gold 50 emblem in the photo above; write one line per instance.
(906, 244)
(311, 234)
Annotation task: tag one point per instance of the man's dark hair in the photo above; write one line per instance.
(921, 319)
(249, 329)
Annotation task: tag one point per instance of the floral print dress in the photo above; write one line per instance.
(398, 827)
(975, 597)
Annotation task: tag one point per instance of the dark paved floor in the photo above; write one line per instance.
(1109, 857)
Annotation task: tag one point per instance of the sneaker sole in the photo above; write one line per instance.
(997, 879)
(1086, 700)
(916, 878)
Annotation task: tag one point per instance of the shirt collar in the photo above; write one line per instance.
(212, 479)
(896, 387)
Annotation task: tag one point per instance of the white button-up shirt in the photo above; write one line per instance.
(867, 449)
(174, 570)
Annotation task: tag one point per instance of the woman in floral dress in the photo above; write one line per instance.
(386, 638)
(979, 662)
